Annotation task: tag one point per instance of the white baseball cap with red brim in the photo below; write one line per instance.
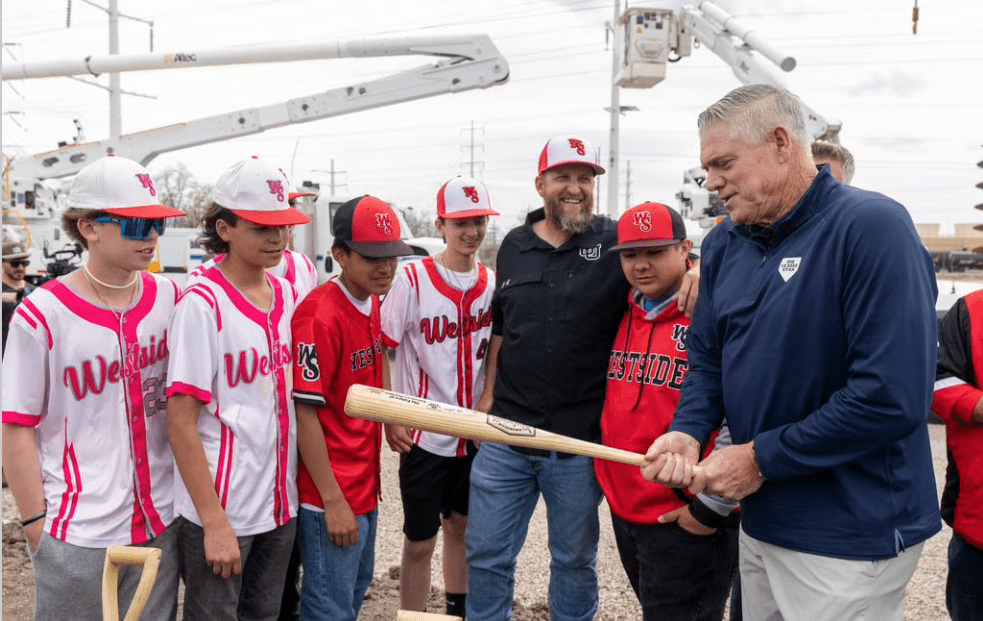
(119, 186)
(568, 150)
(464, 197)
(259, 192)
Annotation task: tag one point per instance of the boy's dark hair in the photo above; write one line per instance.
(70, 223)
(209, 240)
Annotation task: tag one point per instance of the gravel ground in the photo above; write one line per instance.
(925, 598)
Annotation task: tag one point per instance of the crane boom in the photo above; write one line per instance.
(466, 62)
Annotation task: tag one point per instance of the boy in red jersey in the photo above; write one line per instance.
(338, 342)
(679, 553)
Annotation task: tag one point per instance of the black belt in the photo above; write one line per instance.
(535, 452)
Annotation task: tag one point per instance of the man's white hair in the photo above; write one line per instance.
(753, 111)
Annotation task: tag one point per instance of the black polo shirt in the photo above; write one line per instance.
(557, 311)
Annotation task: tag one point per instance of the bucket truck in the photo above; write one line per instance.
(650, 38)
(465, 62)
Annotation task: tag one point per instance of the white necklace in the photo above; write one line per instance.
(106, 284)
(468, 281)
(118, 312)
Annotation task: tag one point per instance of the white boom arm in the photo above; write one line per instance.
(733, 42)
(651, 34)
(467, 62)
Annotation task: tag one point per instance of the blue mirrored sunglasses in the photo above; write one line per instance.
(136, 228)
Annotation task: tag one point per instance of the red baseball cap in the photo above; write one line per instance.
(650, 224)
(568, 150)
(369, 227)
(257, 191)
(464, 197)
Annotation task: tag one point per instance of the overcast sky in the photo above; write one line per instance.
(910, 105)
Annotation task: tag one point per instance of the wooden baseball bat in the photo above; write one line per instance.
(385, 406)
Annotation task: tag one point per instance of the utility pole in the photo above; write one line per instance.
(115, 92)
(332, 185)
(613, 136)
(115, 89)
(628, 185)
(471, 147)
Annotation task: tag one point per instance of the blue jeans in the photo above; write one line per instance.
(505, 486)
(335, 577)
(963, 594)
(677, 576)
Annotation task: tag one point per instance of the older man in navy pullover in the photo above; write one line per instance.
(815, 336)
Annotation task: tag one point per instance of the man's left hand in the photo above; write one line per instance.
(399, 438)
(689, 290)
(731, 472)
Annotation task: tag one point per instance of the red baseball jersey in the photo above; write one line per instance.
(337, 343)
(235, 359)
(91, 383)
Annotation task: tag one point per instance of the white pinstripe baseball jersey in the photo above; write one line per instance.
(91, 383)
(294, 267)
(440, 335)
(235, 359)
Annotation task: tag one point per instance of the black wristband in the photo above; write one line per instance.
(34, 518)
(707, 516)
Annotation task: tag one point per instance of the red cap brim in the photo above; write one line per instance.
(280, 217)
(598, 170)
(294, 195)
(469, 214)
(146, 211)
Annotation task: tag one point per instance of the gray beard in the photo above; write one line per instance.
(566, 222)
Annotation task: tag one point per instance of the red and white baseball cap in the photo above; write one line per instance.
(369, 227)
(257, 191)
(119, 186)
(568, 150)
(464, 197)
(293, 192)
(650, 224)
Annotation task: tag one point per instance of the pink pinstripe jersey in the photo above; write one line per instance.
(294, 267)
(235, 359)
(440, 335)
(92, 386)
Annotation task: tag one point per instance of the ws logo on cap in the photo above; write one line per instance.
(643, 220)
(383, 222)
(578, 146)
(276, 187)
(147, 182)
(472, 193)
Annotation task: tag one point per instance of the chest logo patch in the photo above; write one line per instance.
(788, 267)
(591, 254)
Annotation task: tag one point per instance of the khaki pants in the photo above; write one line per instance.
(779, 584)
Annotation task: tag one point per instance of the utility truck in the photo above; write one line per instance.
(33, 200)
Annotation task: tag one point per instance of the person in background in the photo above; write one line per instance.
(839, 159)
(958, 401)
(16, 258)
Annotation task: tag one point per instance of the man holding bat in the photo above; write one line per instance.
(815, 337)
(559, 299)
